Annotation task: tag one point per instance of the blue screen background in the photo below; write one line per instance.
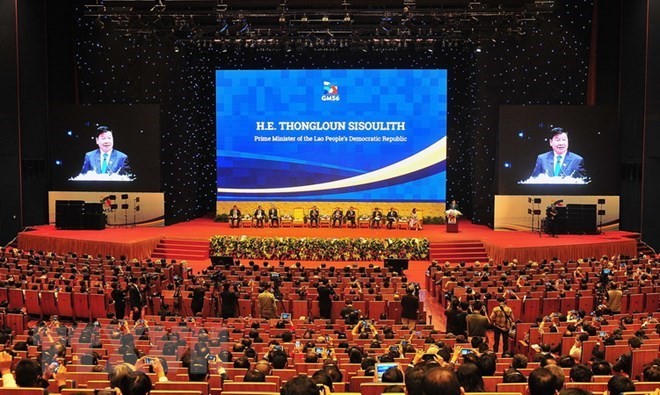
(258, 170)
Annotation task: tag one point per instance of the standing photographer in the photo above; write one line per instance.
(198, 294)
(229, 298)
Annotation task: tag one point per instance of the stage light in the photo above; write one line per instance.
(69, 133)
(478, 49)
(58, 162)
(507, 165)
(521, 134)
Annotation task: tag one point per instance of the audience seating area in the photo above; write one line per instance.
(77, 289)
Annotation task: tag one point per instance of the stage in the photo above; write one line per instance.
(141, 242)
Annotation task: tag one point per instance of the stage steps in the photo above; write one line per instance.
(182, 249)
(457, 251)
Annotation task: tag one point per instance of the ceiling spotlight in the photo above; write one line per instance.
(478, 49)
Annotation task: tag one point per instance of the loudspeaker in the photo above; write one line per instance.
(217, 260)
(397, 265)
(601, 201)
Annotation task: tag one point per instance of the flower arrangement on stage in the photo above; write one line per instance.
(317, 249)
(452, 215)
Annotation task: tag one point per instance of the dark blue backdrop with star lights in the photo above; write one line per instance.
(547, 67)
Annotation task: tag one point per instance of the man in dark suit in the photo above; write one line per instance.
(559, 162)
(260, 214)
(135, 298)
(337, 217)
(106, 159)
(350, 217)
(274, 217)
(409, 308)
(325, 299)
(234, 217)
(376, 217)
(392, 216)
(314, 217)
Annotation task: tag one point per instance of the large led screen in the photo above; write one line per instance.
(558, 150)
(331, 135)
(105, 148)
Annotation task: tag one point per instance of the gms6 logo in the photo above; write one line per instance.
(330, 92)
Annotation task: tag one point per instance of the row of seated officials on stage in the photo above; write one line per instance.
(336, 220)
(293, 355)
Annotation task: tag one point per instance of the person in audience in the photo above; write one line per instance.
(624, 362)
(300, 385)
(118, 295)
(542, 382)
(619, 384)
(441, 381)
(229, 298)
(321, 377)
(614, 298)
(254, 376)
(325, 292)
(364, 329)
(502, 319)
(266, 300)
(470, 377)
(559, 375)
(29, 373)
(576, 348)
(581, 374)
(477, 323)
(392, 375)
(409, 308)
(198, 294)
(513, 376)
(135, 383)
(651, 371)
(455, 315)
(135, 298)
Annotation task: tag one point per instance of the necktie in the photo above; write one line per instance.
(104, 164)
(558, 165)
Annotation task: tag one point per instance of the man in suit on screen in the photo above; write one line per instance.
(559, 162)
(105, 159)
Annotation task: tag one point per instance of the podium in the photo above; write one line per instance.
(452, 227)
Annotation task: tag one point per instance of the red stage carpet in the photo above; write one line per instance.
(141, 242)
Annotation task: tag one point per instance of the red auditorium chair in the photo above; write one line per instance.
(238, 386)
(81, 306)
(15, 296)
(202, 387)
(99, 305)
(65, 305)
(32, 305)
(48, 303)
